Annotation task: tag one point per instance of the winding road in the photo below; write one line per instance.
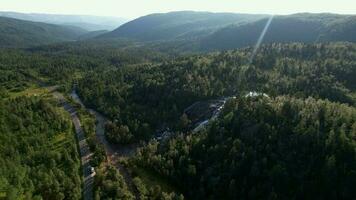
(113, 152)
(85, 153)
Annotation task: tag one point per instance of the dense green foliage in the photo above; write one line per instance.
(19, 67)
(111, 185)
(88, 123)
(282, 148)
(149, 192)
(145, 97)
(38, 156)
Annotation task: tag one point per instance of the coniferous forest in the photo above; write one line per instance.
(167, 117)
(38, 158)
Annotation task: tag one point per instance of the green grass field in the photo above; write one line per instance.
(33, 90)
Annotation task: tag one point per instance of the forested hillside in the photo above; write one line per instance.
(21, 69)
(144, 97)
(38, 156)
(262, 148)
(20, 33)
(178, 25)
(307, 28)
(201, 31)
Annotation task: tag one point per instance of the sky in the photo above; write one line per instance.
(130, 9)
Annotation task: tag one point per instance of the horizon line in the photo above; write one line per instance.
(130, 18)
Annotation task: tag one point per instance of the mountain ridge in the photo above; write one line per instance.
(301, 27)
(208, 31)
(176, 25)
(22, 33)
(88, 22)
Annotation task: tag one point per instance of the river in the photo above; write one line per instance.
(111, 149)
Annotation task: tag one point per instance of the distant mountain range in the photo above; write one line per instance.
(307, 28)
(219, 31)
(181, 31)
(87, 22)
(178, 25)
(20, 33)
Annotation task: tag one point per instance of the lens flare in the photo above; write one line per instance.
(260, 39)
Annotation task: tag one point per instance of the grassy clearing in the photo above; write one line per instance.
(33, 90)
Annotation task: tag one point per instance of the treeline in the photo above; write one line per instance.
(261, 148)
(38, 156)
(140, 99)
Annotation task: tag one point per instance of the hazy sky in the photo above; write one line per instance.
(134, 8)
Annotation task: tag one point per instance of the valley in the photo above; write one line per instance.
(177, 105)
